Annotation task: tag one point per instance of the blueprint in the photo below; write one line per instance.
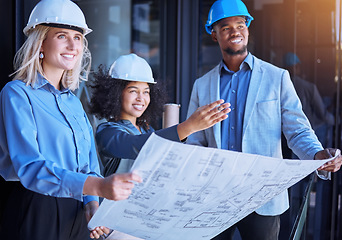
(193, 192)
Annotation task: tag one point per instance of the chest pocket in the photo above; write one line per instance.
(268, 111)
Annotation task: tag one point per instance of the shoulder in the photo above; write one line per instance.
(114, 126)
(15, 85)
(258, 63)
(212, 72)
(205, 79)
(109, 125)
(15, 89)
(269, 68)
(269, 72)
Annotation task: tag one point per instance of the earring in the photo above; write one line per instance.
(41, 55)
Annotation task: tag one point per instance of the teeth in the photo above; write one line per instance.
(68, 56)
(139, 107)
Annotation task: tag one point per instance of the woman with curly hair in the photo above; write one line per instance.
(130, 100)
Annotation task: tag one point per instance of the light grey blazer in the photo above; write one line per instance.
(272, 107)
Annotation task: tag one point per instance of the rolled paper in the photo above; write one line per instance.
(170, 114)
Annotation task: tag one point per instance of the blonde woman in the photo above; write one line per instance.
(48, 158)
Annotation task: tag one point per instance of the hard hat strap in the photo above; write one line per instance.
(57, 25)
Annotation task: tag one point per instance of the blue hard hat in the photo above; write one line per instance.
(291, 59)
(227, 8)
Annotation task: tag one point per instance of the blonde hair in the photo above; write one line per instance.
(27, 62)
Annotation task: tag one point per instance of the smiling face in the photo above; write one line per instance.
(135, 100)
(232, 35)
(62, 48)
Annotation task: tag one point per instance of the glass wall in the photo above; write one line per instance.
(121, 27)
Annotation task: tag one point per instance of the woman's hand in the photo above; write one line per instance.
(114, 187)
(204, 117)
(90, 210)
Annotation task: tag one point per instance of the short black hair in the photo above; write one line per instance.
(107, 94)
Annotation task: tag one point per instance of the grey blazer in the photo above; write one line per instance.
(272, 107)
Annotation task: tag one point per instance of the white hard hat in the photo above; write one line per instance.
(131, 68)
(58, 13)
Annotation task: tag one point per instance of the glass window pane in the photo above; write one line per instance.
(146, 32)
(121, 27)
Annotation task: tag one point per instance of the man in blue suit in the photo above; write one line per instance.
(264, 105)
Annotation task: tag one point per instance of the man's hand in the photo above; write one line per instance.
(333, 165)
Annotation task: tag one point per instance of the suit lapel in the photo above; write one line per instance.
(214, 96)
(253, 91)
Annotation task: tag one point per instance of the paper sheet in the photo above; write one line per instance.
(196, 192)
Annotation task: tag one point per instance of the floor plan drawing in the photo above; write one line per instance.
(196, 192)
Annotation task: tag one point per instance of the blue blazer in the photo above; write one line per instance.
(272, 107)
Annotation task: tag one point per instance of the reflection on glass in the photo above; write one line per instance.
(121, 27)
(146, 32)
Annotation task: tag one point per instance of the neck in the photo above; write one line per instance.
(133, 120)
(233, 62)
(54, 77)
(136, 126)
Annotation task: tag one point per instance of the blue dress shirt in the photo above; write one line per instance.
(46, 140)
(234, 89)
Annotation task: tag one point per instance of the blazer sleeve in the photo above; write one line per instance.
(197, 138)
(295, 125)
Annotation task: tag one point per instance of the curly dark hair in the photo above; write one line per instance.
(106, 99)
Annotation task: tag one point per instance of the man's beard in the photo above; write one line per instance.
(242, 51)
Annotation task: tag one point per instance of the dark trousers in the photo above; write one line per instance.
(254, 227)
(27, 215)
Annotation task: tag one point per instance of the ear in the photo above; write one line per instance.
(213, 36)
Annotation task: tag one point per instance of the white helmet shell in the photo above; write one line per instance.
(59, 12)
(131, 68)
